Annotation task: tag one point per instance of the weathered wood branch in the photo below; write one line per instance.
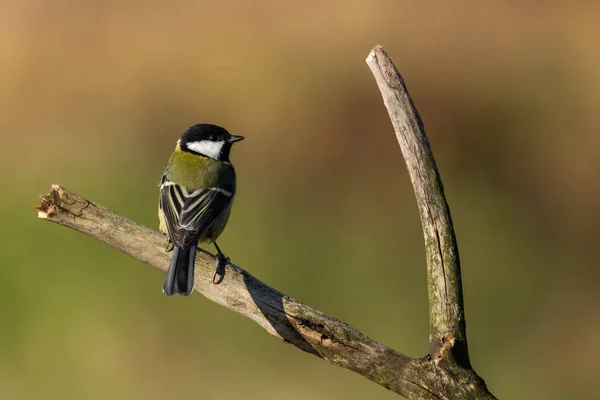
(445, 373)
(446, 310)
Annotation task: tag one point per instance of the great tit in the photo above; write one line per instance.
(196, 194)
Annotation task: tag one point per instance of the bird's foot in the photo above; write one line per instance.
(222, 261)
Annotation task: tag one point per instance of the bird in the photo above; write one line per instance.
(196, 195)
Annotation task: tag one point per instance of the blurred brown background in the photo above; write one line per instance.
(94, 95)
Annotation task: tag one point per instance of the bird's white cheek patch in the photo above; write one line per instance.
(207, 148)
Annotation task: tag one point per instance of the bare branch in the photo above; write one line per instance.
(446, 310)
(281, 316)
(443, 374)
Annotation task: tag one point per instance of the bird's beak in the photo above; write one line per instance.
(234, 138)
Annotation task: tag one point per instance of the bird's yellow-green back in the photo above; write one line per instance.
(198, 172)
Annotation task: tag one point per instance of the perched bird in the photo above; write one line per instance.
(196, 194)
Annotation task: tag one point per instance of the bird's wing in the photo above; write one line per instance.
(189, 213)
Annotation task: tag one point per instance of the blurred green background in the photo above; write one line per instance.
(95, 93)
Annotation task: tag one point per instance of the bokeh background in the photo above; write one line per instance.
(95, 93)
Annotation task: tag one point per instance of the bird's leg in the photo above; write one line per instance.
(169, 245)
(222, 260)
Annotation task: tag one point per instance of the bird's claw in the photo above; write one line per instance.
(222, 261)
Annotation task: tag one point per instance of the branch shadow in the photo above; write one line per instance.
(270, 303)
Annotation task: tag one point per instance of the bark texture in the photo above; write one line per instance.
(446, 309)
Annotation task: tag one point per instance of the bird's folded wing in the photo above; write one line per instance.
(189, 213)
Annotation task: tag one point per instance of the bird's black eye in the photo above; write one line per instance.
(212, 138)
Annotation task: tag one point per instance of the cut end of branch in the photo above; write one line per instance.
(50, 202)
(373, 54)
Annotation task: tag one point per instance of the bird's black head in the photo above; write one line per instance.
(208, 140)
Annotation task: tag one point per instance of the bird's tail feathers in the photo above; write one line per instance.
(180, 276)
